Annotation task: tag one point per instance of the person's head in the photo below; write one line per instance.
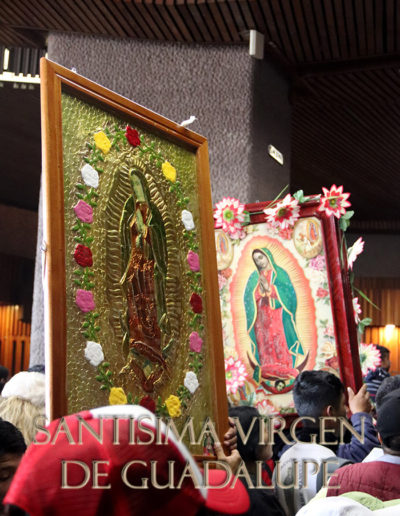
(387, 386)
(150, 471)
(4, 372)
(12, 447)
(250, 419)
(388, 423)
(385, 356)
(319, 393)
(260, 259)
(37, 368)
(22, 402)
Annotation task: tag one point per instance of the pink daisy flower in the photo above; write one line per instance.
(334, 201)
(284, 214)
(228, 214)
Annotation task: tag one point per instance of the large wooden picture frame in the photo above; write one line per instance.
(308, 321)
(132, 301)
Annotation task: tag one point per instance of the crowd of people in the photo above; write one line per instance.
(324, 464)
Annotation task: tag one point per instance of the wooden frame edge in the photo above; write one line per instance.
(53, 230)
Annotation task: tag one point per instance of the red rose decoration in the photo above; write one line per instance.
(83, 256)
(132, 136)
(149, 403)
(197, 303)
(321, 292)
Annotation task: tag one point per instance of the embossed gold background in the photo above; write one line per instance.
(80, 121)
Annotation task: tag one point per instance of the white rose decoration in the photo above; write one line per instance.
(187, 219)
(90, 176)
(191, 382)
(94, 353)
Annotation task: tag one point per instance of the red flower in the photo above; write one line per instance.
(197, 303)
(132, 136)
(83, 256)
(321, 292)
(149, 403)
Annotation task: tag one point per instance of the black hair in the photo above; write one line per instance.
(393, 443)
(246, 415)
(11, 439)
(4, 372)
(389, 384)
(385, 352)
(315, 390)
(37, 368)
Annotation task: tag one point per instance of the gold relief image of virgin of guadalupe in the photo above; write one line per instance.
(144, 255)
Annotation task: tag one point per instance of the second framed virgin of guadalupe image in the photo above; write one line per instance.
(286, 307)
(132, 298)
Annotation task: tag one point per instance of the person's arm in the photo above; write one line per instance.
(360, 407)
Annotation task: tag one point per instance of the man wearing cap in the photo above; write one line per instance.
(380, 478)
(118, 460)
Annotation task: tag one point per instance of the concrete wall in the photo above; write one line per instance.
(241, 103)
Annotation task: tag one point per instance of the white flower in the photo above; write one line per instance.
(191, 382)
(357, 309)
(370, 357)
(353, 251)
(187, 219)
(284, 214)
(228, 214)
(90, 176)
(94, 353)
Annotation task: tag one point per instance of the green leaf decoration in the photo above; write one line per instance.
(366, 298)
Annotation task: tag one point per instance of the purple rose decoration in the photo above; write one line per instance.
(196, 342)
(84, 211)
(84, 300)
(318, 263)
(193, 261)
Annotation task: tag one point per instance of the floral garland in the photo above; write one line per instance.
(282, 214)
(86, 192)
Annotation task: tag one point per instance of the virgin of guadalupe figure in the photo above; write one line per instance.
(271, 303)
(144, 257)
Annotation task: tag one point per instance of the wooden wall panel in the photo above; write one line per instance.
(14, 339)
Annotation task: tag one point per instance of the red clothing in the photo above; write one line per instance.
(378, 478)
(270, 334)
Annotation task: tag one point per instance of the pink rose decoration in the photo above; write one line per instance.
(84, 211)
(321, 292)
(193, 261)
(318, 263)
(221, 281)
(84, 300)
(196, 342)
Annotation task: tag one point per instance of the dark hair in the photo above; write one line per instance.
(389, 384)
(393, 443)
(37, 368)
(11, 439)
(385, 352)
(315, 390)
(246, 415)
(4, 372)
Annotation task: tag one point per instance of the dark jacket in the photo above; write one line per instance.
(374, 380)
(263, 502)
(353, 450)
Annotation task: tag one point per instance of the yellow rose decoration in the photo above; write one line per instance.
(117, 396)
(169, 171)
(102, 142)
(173, 404)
